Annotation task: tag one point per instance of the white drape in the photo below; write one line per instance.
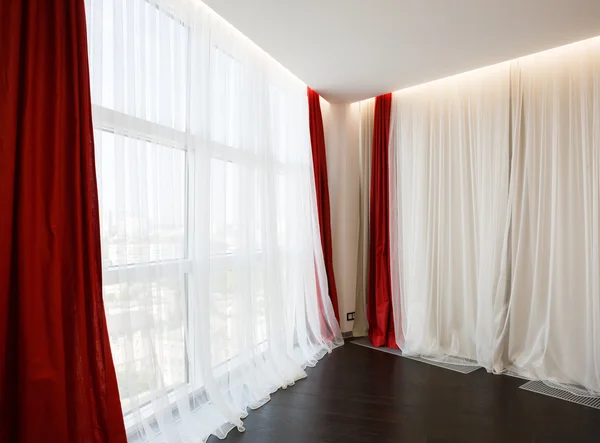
(552, 329)
(211, 249)
(494, 263)
(449, 188)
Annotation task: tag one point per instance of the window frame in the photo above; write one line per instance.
(110, 120)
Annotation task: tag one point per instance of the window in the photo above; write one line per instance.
(143, 203)
(203, 166)
(145, 148)
(143, 194)
(138, 60)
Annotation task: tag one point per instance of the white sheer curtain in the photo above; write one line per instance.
(495, 222)
(211, 249)
(449, 184)
(552, 328)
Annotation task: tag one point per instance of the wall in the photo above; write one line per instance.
(340, 123)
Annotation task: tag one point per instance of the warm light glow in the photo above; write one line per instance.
(241, 38)
(325, 105)
(574, 48)
(365, 101)
(561, 51)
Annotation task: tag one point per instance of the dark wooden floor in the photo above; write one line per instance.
(359, 395)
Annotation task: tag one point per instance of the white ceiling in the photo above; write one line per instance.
(348, 50)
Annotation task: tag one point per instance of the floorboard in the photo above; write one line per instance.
(360, 395)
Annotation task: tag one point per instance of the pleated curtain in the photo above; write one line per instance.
(319, 163)
(550, 327)
(449, 164)
(57, 378)
(379, 303)
(215, 283)
(494, 197)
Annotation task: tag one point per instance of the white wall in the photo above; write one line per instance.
(340, 123)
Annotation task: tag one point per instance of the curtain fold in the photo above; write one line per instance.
(319, 162)
(494, 190)
(379, 305)
(366, 117)
(212, 257)
(551, 322)
(57, 379)
(449, 173)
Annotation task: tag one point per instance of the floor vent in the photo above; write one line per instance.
(463, 369)
(541, 388)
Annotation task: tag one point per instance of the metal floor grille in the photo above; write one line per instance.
(541, 388)
(463, 369)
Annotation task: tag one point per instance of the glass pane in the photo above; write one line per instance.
(259, 209)
(225, 229)
(221, 313)
(283, 199)
(142, 193)
(226, 76)
(287, 139)
(259, 304)
(235, 118)
(146, 328)
(138, 60)
(238, 314)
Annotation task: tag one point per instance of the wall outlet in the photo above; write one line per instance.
(350, 316)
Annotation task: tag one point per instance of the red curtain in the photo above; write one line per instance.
(379, 305)
(57, 379)
(317, 139)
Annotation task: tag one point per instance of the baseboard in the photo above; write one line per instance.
(346, 335)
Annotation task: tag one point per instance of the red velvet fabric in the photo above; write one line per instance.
(379, 304)
(57, 378)
(317, 140)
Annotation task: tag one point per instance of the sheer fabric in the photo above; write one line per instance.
(552, 326)
(449, 187)
(319, 156)
(212, 262)
(495, 223)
